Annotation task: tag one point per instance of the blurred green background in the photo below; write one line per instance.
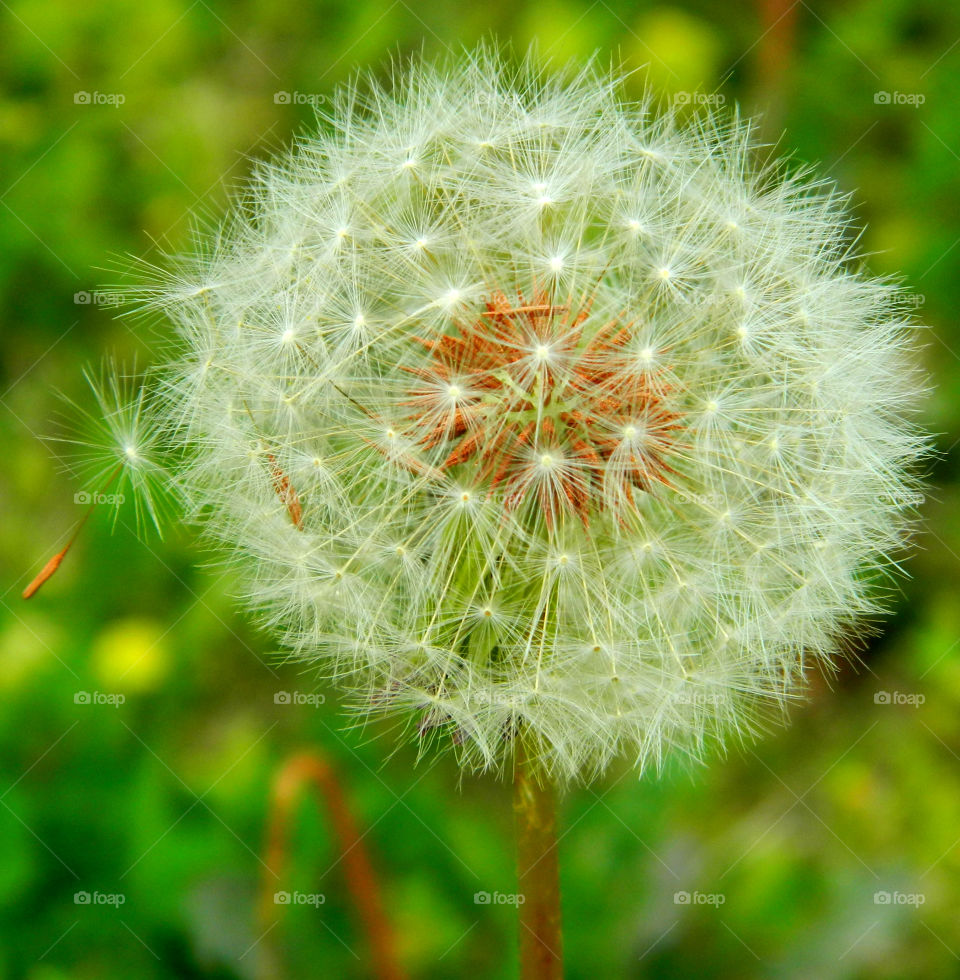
(831, 849)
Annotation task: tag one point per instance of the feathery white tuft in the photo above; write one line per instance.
(516, 406)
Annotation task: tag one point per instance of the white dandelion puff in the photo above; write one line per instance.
(523, 408)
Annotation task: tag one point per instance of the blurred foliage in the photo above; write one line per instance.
(162, 799)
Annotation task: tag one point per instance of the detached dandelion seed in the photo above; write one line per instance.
(119, 448)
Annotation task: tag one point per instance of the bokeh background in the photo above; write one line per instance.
(829, 849)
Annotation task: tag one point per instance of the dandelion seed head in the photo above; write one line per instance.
(552, 441)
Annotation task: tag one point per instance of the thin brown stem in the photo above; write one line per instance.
(310, 769)
(538, 872)
(773, 59)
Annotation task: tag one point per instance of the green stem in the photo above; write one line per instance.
(538, 872)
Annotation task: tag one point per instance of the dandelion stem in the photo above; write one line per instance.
(310, 769)
(538, 872)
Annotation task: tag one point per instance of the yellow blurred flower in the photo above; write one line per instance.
(130, 655)
(680, 51)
